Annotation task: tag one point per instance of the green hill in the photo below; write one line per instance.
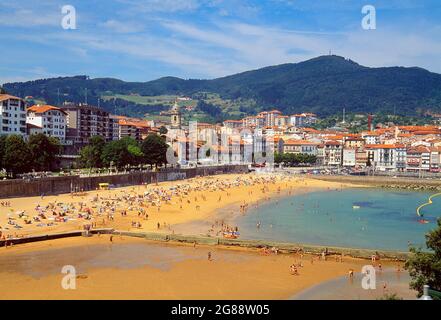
(324, 85)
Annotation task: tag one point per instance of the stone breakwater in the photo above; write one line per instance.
(386, 182)
(413, 187)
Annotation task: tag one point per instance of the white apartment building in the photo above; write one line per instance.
(387, 157)
(12, 115)
(304, 119)
(333, 153)
(371, 137)
(49, 119)
(270, 117)
(281, 121)
(255, 122)
(349, 157)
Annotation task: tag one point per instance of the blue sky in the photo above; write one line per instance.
(147, 39)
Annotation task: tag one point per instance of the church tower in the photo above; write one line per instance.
(176, 118)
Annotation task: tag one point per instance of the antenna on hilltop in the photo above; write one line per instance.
(86, 97)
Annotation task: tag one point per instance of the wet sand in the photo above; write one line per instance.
(132, 268)
(137, 269)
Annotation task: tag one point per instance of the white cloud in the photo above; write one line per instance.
(122, 27)
(10, 74)
(28, 18)
(161, 5)
(216, 48)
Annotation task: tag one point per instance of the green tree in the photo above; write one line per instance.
(17, 157)
(278, 158)
(2, 150)
(122, 152)
(163, 131)
(90, 155)
(390, 296)
(44, 151)
(425, 266)
(154, 149)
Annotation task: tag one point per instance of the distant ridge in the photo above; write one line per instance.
(324, 85)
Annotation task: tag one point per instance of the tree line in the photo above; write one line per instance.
(294, 159)
(124, 152)
(38, 153)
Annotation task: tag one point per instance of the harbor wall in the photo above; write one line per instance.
(59, 185)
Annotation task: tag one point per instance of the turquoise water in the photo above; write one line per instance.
(385, 220)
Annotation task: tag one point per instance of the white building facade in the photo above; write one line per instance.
(50, 119)
(12, 115)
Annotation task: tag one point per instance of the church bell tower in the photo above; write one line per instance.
(176, 117)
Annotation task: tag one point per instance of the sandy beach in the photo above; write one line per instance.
(129, 268)
(148, 207)
(160, 271)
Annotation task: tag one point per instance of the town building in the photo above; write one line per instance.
(300, 146)
(386, 157)
(48, 120)
(12, 115)
(85, 121)
(349, 157)
(134, 128)
(418, 159)
(333, 153)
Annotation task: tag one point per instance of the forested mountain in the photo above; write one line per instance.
(324, 85)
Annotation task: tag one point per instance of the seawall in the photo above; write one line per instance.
(59, 185)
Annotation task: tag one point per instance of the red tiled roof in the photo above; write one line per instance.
(8, 96)
(133, 123)
(332, 143)
(44, 108)
(384, 146)
(293, 142)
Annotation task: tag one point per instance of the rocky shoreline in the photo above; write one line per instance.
(412, 187)
(386, 182)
